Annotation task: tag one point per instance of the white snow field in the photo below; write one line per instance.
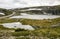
(28, 16)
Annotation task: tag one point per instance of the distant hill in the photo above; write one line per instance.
(48, 10)
(52, 10)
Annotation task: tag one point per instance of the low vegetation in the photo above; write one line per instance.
(46, 28)
(41, 23)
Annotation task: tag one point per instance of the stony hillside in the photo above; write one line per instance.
(4, 12)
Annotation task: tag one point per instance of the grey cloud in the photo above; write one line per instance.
(27, 3)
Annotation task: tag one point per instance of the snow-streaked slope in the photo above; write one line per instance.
(27, 3)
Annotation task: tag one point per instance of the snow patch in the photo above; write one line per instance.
(2, 13)
(18, 25)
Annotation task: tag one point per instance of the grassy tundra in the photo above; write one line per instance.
(46, 28)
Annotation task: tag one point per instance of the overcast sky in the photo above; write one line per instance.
(27, 3)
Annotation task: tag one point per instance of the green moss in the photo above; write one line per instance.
(45, 22)
(21, 33)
